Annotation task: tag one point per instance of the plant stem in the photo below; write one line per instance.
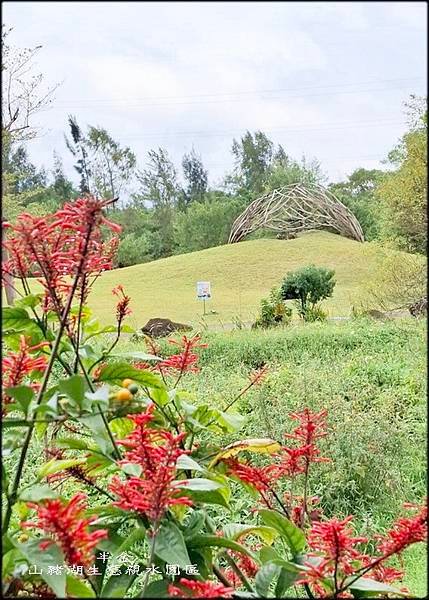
(238, 571)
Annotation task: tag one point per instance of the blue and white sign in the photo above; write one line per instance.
(203, 290)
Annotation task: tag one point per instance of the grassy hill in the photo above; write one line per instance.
(240, 274)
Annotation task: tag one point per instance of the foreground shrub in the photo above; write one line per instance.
(154, 458)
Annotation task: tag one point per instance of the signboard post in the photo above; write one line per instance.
(203, 292)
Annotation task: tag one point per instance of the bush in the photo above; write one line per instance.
(273, 311)
(134, 249)
(308, 286)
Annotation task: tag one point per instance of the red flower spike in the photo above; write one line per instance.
(256, 377)
(68, 527)
(122, 309)
(199, 589)
(156, 451)
(405, 531)
(16, 365)
(186, 360)
(61, 246)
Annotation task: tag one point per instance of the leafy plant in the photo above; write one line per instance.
(273, 311)
(119, 425)
(308, 286)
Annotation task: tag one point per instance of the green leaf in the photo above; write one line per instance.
(23, 394)
(54, 466)
(74, 387)
(267, 554)
(117, 372)
(117, 586)
(291, 533)
(73, 443)
(198, 484)
(30, 301)
(195, 523)
(136, 356)
(16, 319)
(209, 541)
(157, 589)
(52, 555)
(170, 545)
(132, 469)
(121, 427)
(137, 535)
(8, 563)
(204, 497)
(364, 584)
(286, 580)
(100, 396)
(234, 531)
(186, 463)
(35, 493)
(264, 577)
(77, 588)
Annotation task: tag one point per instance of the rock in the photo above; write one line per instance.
(419, 308)
(159, 327)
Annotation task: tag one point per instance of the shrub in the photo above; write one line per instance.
(308, 286)
(273, 311)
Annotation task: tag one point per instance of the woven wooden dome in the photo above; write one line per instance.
(295, 208)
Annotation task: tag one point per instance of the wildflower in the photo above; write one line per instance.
(156, 451)
(151, 497)
(66, 244)
(199, 589)
(258, 375)
(68, 527)
(16, 365)
(122, 309)
(186, 359)
(261, 478)
(405, 531)
(311, 427)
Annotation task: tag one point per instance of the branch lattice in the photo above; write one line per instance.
(295, 208)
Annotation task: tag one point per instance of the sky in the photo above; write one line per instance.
(326, 80)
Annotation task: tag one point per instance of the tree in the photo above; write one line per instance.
(253, 156)
(23, 95)
(61, 186)
(205, 224)
(285, 171)
(308, 286)
(77, 146)
(112, 167)
(358, 193)
(403, 191)
(196, 178)
(159, 188)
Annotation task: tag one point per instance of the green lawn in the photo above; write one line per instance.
(240, 274)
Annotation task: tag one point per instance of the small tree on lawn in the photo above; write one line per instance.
(308, 286)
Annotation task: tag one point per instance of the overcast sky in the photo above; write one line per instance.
(325, 79)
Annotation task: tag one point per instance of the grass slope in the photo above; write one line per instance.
(240, 274)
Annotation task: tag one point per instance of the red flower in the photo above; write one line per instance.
(258, 375)
(61, 246)
(68, 527)
(405, 531)
(156, 451)
(311, 427)
(186, 360)
(16, 365)
(261, 478)
(122, 309)
(199, 589)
